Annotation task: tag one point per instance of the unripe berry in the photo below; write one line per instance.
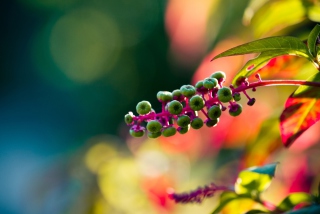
(188, 90)
(154, 126)
(211, 123)
(169, 131)
(210, 83)
(237, 96)
(196, 123)
(214, 112)
(199, 84)
(219, 75)
(174, 107)
(154, 134)
(136, 133)
(128, 119)
(224, 94)
(196, 103)
(235, 109)
(177, 95)
(143, 107)
(183, 130)
(164, 96)
(183, 121)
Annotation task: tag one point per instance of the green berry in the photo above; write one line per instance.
(251, 101)
(177, 95)
(235, 110)
(211, 123)
(154, 134)
(154, 126)
(214, 112)
(143, 107)
(210, 83)
(128, 119)
(183, 130)
(164, 96)
(224, 94)
(196, 103)
(196, 123)
(219, 75)
(136, 133)
(237, 96)
(169, 131)
(174, 107)
(183, 121)
(199, 84)
(188, 90)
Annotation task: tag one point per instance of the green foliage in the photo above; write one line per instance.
(312, 40)
(293, 199)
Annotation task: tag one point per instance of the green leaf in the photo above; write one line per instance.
(254, 180)
(255, 64)
(312, 40)
(227, 197)
(255, 212)
(302, 110)
(294, 199)
(307, 210)
(287, 44)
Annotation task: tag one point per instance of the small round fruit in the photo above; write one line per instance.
(211, 123)
(128, 119)
(143, 107)
(183, 130)
(164, 96)
(136, 133)
(199, 84)
(224, 94)
(251, 101)
(174, 107)
(154, 135)
(196, 123)
(183, 121)
(235, 110)
(169, 131)
(196, 103)
(219, 75)
(188, 90)
(237, 96)
(154, 126)
(210, 83)
(214, 112)
(177, 95)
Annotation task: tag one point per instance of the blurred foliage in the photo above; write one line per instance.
(71, 69)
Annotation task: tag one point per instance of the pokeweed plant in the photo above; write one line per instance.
(211, 97)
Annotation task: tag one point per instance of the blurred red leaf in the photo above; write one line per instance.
(302, 110)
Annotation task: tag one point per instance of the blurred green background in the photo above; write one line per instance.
(70, 71)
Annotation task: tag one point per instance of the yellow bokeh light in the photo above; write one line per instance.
(85, 44)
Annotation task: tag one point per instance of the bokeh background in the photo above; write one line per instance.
(71, 70)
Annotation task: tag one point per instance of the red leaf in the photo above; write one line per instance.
(302, 110)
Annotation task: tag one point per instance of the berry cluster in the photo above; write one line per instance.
(181, 106)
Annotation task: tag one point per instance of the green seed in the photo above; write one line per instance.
(154, 126)
(235, 110)
(237, 96)
(210, 83)
(224, 94)
(219, 75)
(183, 121)
(211, 123)
(154, 135)
(136, 133)
(196, 123)
(214, 112)
(169, 131)
(188, 90)
(128, 119)
(196, 103)
(174, 107)
(183, 130)
(143, 107)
